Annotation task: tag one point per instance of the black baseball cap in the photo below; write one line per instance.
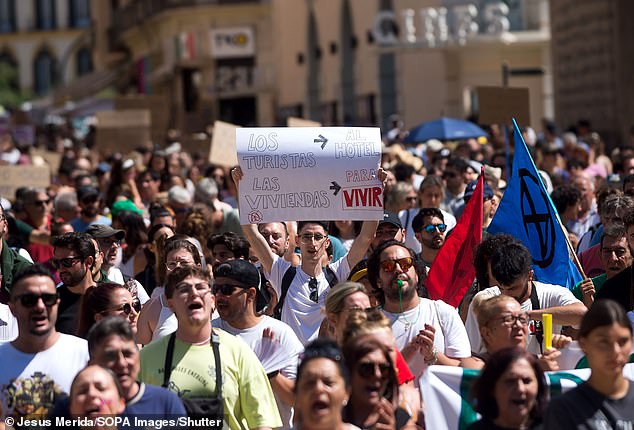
(100, 231)
(248, 275)
(488, 191)
(391, 218)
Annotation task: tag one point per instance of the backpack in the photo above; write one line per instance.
(287, 280)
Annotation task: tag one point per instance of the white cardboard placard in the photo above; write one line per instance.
(309, 173)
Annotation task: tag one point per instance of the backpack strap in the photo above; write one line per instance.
(215, 345)
(287, 280)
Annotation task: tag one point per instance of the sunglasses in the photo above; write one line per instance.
(390, 265)
(126, 308)
(41, 202)
(368, 369)
(65, 262)
(307, 238)
(314, 292)
(29, 300)
(430, 228)
(226, 289)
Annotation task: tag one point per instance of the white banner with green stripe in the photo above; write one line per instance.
(445, 392)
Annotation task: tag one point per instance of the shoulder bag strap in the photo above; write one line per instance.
(539, 329)
(534, 299)
(215, 344)
(167, 371)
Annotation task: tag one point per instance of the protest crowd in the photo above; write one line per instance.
(132, 288)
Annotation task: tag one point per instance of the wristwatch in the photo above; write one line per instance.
(434, 358)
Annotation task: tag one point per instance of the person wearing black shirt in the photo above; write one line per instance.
(606, 399)
(74, 255)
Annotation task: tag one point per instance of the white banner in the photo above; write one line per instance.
(309, 173)
(446, 390)
(232, 42)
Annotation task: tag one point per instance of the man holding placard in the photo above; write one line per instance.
(308, 173)
(302, 299)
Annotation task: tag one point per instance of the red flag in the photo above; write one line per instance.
(452, 271)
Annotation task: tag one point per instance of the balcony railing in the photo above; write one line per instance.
(138, 11)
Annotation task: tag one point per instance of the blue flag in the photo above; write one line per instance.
(527, 213)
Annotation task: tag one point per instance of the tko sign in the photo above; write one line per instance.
(359, 198)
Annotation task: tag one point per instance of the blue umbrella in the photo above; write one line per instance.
(444, 129)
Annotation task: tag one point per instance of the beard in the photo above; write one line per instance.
(407, 292)
(72, 279)
(433, 243)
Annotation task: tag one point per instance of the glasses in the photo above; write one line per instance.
(307, 238)
(200, 289)
(65, 262)
(510, 320)
(430, 228)
(368, 369)
(226, 289)
(126, 308)
(172, 265)
(29, 300)
(390, 265)
(314, 291)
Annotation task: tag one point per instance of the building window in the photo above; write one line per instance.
(44, 73)
(45, 11)
(79, 13)
(7, 16)
(84, 61)
(9, 70)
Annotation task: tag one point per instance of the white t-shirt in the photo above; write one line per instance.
(302, 314)
(30, 383)
(549, 296)
(167, 322)
(406, 216)
(8, 324)
(450, 337)
(280, 353)
(115, 275)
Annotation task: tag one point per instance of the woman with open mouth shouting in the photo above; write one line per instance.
(510, 393)
(322, 388)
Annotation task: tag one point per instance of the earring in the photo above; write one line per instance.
(344, 403)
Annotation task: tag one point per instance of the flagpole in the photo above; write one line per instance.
(570, 248)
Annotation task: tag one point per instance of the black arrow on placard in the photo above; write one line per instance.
(321, 140)
(335, 186)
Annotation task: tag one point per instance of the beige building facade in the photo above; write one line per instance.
(47, 42)
(333, 61)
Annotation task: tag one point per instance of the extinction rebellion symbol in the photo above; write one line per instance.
(538, 218)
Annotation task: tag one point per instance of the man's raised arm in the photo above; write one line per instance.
(260, 248)
(368, 228)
